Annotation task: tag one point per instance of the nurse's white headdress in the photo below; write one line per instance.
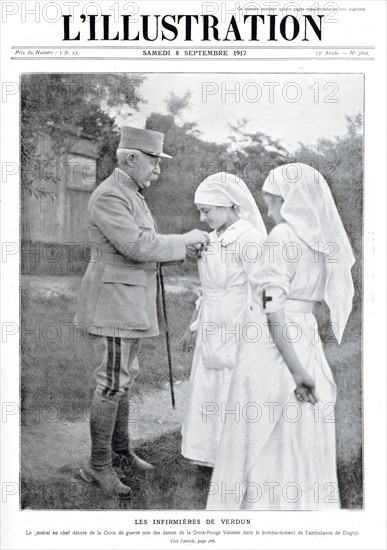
(311, 211)
(225, 189)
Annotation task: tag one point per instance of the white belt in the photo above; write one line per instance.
(214, 292)
(299, 306)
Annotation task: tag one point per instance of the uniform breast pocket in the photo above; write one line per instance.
(145, 220)
(146, 226)
(123, 298)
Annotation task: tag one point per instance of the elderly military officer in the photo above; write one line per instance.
(118, 298)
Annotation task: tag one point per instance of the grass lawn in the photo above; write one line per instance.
(57, 362)
(57, 367)
(175, 484)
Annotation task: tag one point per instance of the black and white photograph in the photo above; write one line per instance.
(191, 286)
(192, 274)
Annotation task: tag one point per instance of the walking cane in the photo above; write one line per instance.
(167, 335)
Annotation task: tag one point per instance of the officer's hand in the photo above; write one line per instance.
(196, 236)
(191, 251)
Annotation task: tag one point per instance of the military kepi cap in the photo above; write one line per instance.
(147, 141)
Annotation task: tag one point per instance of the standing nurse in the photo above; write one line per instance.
(224, 315)
(284, 457)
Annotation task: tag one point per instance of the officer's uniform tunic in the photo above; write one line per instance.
(119, 296)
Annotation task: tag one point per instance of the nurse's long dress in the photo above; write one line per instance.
(275, 452)
(224, 270)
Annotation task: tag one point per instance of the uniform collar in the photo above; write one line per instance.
(233, 232)
(121, 177)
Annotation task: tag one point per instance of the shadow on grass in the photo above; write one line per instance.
(174, 484)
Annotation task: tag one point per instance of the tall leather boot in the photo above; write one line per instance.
(122, 452)
(103, 414)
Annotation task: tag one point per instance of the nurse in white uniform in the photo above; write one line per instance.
(223, 317)
(279, 451)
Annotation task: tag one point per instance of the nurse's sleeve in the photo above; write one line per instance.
(251, 253)
(251, 256)
(275, 277)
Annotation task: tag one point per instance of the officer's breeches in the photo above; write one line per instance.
(109, 412)
(118, 364)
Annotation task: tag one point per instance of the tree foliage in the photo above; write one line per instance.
(176, 104)
(67, 104)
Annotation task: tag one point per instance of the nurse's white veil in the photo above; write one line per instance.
(310, 210)
(225, 189)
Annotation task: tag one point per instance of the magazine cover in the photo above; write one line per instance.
(193, 236)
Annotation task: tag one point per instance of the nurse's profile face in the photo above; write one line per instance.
(274, 204)
(214, 216)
